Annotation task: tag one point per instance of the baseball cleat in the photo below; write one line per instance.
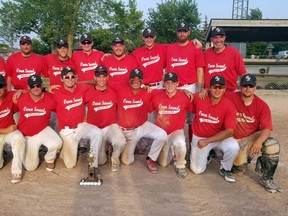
(151, 166)
(181, 172)
(270, 185)
(16, 178)
(227, 175)
(50, 166)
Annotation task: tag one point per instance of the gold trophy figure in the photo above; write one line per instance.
(93, 177)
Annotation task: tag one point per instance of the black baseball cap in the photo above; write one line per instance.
(183, 26)
(2, 80)
(217, 31)
(101, 70)
(136, 73)
(34, 80)
(248, 79)
(171, 76)
(62, 42)
(86, 37)
(67, 70)
(118, 40)
(149, 32)
(25, 39)
(217, 80)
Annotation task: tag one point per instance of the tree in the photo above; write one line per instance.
(255, 14)
(169, 14)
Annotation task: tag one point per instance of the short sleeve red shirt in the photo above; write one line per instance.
(7, 110)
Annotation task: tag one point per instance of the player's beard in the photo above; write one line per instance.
(182, 39)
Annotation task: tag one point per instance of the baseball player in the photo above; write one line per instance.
(213, 127)
(254, 125)
(2, 67)
(54, 63)
(223, 60)
(70, 114)
(101, 112)
(151, 59)
(87, 59)
(133, 108)
(119, 64)
(187, 62)
(35, 108)
(9, 133)
(23, 64)
(171, 106)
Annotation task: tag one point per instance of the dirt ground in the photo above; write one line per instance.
(135, 191)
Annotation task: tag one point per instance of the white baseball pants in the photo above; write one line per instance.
(198, 157)
(17, 142)
(71, 138)
(147, 130)
(175, 140)
(47, 137)
(113, 135)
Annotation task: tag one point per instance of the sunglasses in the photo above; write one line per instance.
(2, 86)
(217, 87)
(23, 43)
(86, 42)
(37, 86)
(250, 86)
(70, 77)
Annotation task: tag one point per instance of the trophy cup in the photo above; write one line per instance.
(93, 177)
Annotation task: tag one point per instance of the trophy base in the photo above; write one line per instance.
(91, 182)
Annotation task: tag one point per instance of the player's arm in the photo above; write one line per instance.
(200, 79)
(9, 83)
(197, 43)
(257, 145)
(217, 137)
(8, 129)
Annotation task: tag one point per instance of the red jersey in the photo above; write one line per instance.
(133, 108)
(70, 106)
(101, 107)
(2, 67)
(184, 61)
(53, 68)
(20, 68)
(254, 117)
(151, 61)
(34, 115)
(7, 109)
(119, 70)
(85, 64)
(211, 119)
(171, 112)
(228, 64)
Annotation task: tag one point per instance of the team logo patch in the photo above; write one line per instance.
(217, 78)
(248, 78)
(218, 29)
(182, 24)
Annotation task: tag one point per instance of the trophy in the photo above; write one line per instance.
(93, 177)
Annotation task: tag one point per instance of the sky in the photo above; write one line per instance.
(271, 9)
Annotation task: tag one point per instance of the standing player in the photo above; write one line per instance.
(87, 59)
(213, 127)
(119, 64)
(151, 59)
(2, 67)
(223, 60)
(54, 63)
(133, 107)
(171, 106)
(70, 113)
(9, 133)
(187, 62)
(102, 113)
(254, 125)
(23, 64)
(35, 108)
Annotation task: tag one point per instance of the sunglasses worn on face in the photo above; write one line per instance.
(37, 86)
(217, 87)
(70, 77)
(2, 86)
(23, 43)
(250, 86)
(86, 42)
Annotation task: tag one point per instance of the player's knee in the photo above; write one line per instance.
(196, 169)
(127, 161)
(31, 167)
(271, 147)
